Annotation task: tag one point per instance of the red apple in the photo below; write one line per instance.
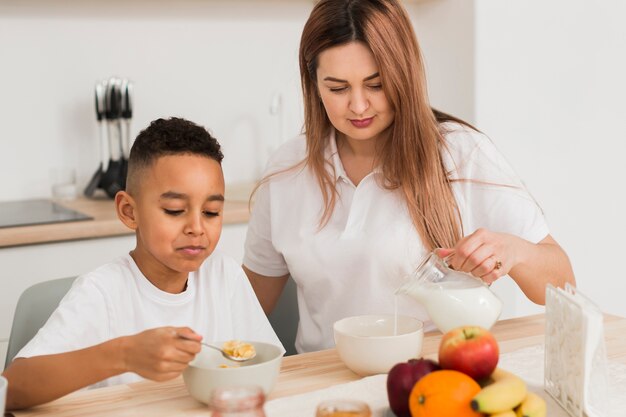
(401, 379)
(469, 349)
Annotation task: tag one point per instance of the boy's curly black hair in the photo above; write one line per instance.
(173, 136)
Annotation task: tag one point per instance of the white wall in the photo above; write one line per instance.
(215, 62)
(218, 63)
(445, 30)
(550, 92)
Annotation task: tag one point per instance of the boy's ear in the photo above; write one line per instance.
(126, 209)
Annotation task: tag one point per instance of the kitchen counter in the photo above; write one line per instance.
(104, 224)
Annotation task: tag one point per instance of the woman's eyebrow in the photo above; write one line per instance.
(338, 80)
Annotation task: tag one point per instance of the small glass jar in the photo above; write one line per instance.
(343, 408)
(237, 402)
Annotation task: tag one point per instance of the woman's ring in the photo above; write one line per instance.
(498, 265)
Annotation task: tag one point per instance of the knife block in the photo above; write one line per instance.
(575, 372)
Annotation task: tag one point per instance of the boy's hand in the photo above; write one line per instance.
(160, 354)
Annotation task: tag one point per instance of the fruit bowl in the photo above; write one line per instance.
(367, 344)
(210, 370)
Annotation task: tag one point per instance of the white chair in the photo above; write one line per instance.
(32, 311)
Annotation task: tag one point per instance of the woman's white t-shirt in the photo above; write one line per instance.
(118, 300)
(353, 265)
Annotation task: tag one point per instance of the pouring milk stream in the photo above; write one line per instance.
(451, 298)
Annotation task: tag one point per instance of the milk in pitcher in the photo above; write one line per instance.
(452, 298)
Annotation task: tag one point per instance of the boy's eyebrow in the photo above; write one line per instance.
(338, 80)
(173, 195)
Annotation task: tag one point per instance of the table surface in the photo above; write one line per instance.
(299, 374)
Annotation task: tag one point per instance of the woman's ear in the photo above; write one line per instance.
(126, 209)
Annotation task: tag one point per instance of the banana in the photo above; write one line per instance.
(506, 393)
(532, 406)
(507, 413)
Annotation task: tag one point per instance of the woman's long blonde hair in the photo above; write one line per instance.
(411, 157)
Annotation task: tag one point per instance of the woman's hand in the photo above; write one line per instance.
(489, 255)
(484, 254)
(161, 354)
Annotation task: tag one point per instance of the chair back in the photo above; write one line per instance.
(284, 319)
(33, 308)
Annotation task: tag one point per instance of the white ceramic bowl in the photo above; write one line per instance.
(204, 374)
(367, 344)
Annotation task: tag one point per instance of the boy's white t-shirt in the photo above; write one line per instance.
(118, 300)
(368, 248)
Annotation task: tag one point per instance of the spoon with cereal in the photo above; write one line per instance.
(235, 350)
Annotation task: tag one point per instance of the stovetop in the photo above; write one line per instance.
(32, 212)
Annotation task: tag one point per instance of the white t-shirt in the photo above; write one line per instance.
(118, 300)
(354, 264)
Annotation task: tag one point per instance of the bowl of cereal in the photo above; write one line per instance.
(373, 344)
(210, 370)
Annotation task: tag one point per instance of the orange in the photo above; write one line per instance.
(443, 393)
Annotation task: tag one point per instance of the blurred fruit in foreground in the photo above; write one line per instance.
(505, 393)
(443, 393)
(401, 380)
(532, 406)
(507, 413)
(469, 349)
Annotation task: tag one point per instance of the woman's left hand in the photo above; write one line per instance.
(484, 254)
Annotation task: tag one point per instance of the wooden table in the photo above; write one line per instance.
(299, 374)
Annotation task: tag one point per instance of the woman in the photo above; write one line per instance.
(379, 179)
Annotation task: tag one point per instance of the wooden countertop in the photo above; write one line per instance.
(104, 224)
(299, 374)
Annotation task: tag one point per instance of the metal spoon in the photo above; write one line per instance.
(224, 354)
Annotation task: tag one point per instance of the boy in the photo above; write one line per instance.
(144, 314)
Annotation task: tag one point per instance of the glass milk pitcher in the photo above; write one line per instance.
(451, 298)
